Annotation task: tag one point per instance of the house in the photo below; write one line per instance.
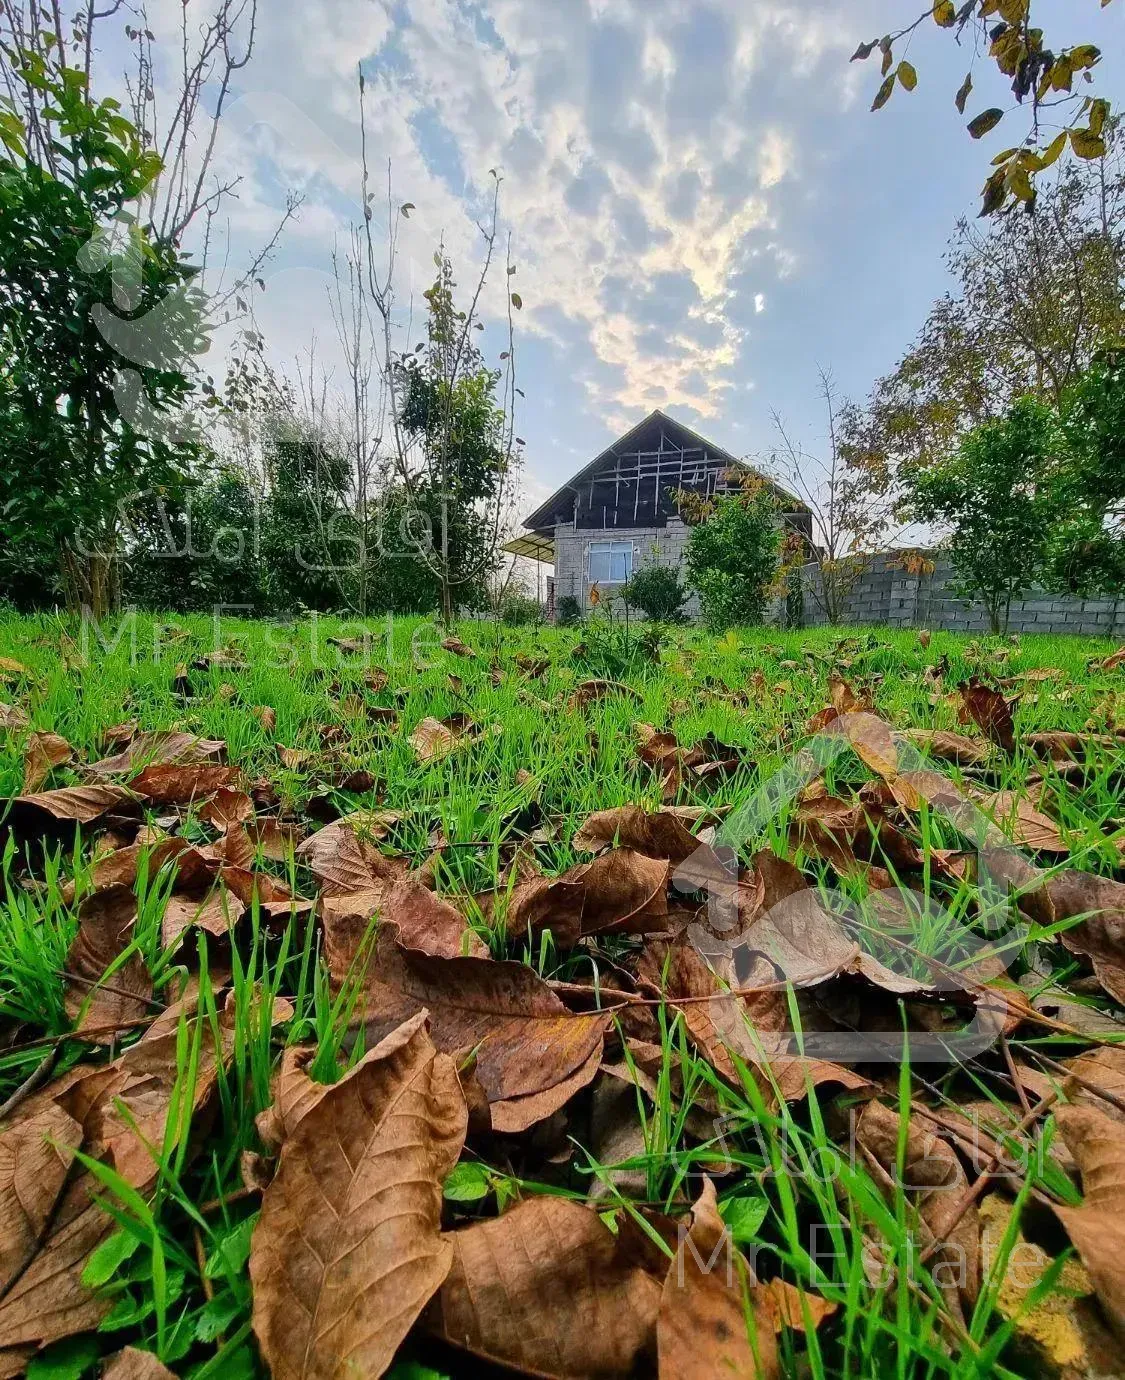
(618, 513)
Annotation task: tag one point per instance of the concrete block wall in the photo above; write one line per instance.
(651, 546)
(886, 593)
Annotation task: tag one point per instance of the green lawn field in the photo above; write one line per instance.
(237, 857)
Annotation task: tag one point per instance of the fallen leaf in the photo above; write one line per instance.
(547, 1289)
(525, 1039)
(458, 648)
(958, 748)
(1097, 1228)
(35, 1160)
(990, 711)
(95, 997)
(43, 753)
(935, 1182)
(12, 716)
(434, 739)
(1023, 823)
(71, 804)
(133, 1364)
(701, 1328)
(169, 783)
(425, 922)
(161, 748)
(786, 1305)
(591, 690)
(338, 1286)
(227, 807)
(663, 834)
(514, 1115)
(344, 860)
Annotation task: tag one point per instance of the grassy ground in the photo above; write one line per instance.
(804, 1206)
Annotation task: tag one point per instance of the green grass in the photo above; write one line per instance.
(176, 1267)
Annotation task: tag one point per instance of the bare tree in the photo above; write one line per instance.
(848, 513)
(427, 461)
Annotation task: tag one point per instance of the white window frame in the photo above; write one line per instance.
(609, 553)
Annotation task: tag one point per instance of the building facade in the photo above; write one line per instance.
(620, 513)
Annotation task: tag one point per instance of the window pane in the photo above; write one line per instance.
(610, 562)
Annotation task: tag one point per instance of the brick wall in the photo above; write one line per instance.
(651, 546)
(885, 593)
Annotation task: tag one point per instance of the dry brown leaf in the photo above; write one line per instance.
(434, 739)
(1097, 1228)
(337, 1286)
(123, 1109)
(786, 1305)
(133, 1364)
(163, 747)
(227, 807)
(458, 648)
(547, 1289)
(663, 834)
(701, 1329)
(34, 1164)
(935, 1182)
(990, 711)
(1100, 1070)
(342, 856)
(71, 804)
(949, 747)
(169, 783)
(105, 929)
(1023, 823)
(425, 922)
(43, 753)
(525, 1039)
(519, 1114)
(12, 716)
(591, 690)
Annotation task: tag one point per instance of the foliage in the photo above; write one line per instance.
(996, 497)
(568, 611)
(614, 650)
(1087, 549)
(78, 457)
(732, 555)
(658, 592)
(1040, 78)
(1037, 297)
(519, 610)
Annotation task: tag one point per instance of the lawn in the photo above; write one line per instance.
(350, 1024)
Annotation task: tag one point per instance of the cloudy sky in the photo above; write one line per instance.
(702, 208)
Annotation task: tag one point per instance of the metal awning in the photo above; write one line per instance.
(534, 546)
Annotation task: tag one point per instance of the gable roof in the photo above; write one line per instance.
(683, 438)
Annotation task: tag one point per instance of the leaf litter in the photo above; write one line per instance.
(318, 1025)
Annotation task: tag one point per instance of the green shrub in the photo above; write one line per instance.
(658, 592)
(731, 557)
(519, 610)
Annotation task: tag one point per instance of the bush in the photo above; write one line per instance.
(568, 611)
(732, 555)
(519, 610)
(657, 591)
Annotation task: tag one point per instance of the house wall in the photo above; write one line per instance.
(651, 546)
(885, 593)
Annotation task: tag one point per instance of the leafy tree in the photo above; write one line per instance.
(1037, 297)
(996, 497)
(732, 552)
(78, 458)
(1041, 78)
(1087, 549)
(658, 592)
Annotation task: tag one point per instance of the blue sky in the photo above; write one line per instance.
(702, 207)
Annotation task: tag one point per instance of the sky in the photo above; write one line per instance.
(703, 210)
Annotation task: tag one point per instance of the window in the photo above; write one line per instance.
(611, 562)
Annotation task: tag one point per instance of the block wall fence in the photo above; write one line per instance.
(888, 594)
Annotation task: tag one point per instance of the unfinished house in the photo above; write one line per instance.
(619, 512)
